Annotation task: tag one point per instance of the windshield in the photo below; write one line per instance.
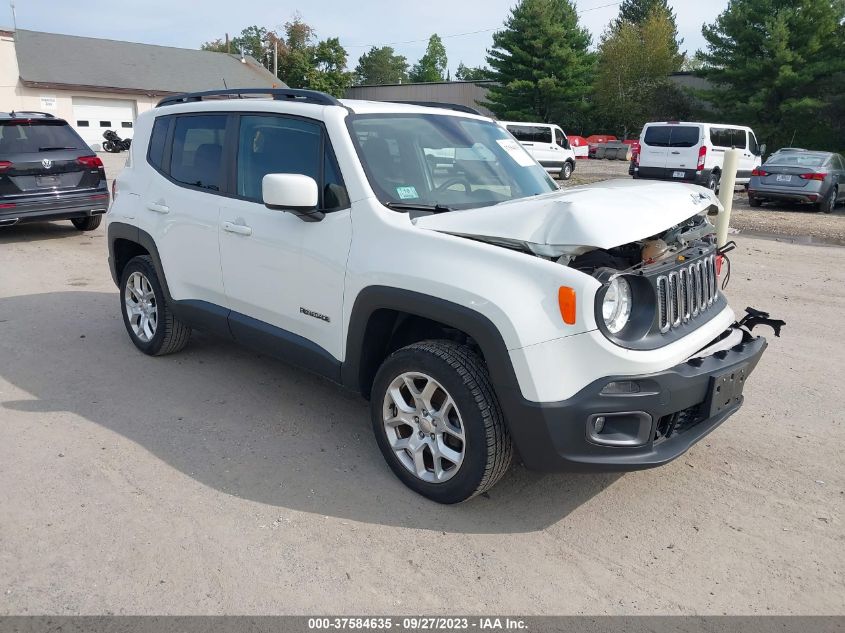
(450, 162)
(20, 137)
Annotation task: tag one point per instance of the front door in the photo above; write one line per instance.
(279, 270)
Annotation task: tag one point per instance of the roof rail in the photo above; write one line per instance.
(15, 113)
(278, 94)
(457, 107)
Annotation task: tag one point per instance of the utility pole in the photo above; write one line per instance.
(276, 58)
(14, 15)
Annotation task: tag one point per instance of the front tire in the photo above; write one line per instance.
(566, 171)
(147, 316)
(87, 224)
(438, 423)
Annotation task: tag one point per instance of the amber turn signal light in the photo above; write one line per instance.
(566, 302)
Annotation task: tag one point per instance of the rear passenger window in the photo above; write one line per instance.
(728, 137)
(531, 133)
(198, 150)
(657, 136)
(281, 145)
(155, 154)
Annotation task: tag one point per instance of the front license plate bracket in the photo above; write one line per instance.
(726, 390)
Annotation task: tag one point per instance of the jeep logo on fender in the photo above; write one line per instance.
(316, 315)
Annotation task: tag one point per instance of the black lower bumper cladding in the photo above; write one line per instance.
(621, 423)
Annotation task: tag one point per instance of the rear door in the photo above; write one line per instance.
(182, 204)
(45, 156)
(654, 146)
(684, 143)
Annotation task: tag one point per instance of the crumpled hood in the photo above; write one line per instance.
(580, 219)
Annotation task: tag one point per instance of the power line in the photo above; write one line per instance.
(444, 37)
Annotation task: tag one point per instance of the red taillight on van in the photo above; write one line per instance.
(759, 172)
(813, 176)
(702, 156)
(91, 162)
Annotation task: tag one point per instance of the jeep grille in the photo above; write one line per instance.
(686, 292)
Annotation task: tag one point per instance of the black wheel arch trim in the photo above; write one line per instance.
(480, 328)
(123, 231)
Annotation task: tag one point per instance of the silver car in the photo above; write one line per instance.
(795, 175)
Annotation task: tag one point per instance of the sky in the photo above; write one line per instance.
(465, 25)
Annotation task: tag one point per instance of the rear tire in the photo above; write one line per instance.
(87, 224)
(438, 423)
(754, 202)
(147, 316)
(566, 171)
(713, 182)
(829, 203)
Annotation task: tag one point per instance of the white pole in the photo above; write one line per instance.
(727, 183)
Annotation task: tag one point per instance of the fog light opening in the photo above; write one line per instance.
(621, 387)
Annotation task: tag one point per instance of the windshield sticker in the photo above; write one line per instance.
(516, 151)
(407, 193)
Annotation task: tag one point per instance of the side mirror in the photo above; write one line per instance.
(294, 193)
(762, 149)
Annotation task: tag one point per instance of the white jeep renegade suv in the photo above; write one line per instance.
(481, 310)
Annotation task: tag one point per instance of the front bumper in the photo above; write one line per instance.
(63, 206)
(673, 410)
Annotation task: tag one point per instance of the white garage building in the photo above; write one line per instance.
(98, 84)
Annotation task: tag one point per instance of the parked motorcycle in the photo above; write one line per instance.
(114, 143)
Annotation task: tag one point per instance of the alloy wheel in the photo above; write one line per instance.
(424, 427)
(141, 308)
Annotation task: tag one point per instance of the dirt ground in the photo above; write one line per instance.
(219, 481)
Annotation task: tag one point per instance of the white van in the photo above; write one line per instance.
(695, 152)
(547, 144)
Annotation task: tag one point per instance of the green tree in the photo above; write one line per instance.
(541, 63)
(778, 66)
(329, 73)
(381, 66)
(638, 11)
(432, 65)
(632, 75)
(255, 41)
(469, 73)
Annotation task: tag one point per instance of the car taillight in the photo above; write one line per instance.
(91, 162)
(702, 156)
(759, 172)
(813, 176)
(4, 165)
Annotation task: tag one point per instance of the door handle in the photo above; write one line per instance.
(676, 152)
(158, 207)
(238, 229)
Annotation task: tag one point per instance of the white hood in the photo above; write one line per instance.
(580, 219)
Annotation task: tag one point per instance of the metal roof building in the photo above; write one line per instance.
(99, 84)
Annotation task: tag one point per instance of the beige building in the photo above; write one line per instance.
(98, 84)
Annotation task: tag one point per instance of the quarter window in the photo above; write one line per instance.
(158, 137)
(198, 150)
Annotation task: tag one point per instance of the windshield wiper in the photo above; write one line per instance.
(49, 149)
(412, 206)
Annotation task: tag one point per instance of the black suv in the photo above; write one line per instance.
(47, 172)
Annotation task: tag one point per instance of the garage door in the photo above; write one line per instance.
(92, 117)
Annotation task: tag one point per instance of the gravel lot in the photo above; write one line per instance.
(793, 223)
(219, 481)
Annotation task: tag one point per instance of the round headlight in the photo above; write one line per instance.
(616, 307)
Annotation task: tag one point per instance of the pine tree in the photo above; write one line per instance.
(638, 11)
(541, 62)
(779, 66)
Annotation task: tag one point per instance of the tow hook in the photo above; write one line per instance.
(753, 318)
